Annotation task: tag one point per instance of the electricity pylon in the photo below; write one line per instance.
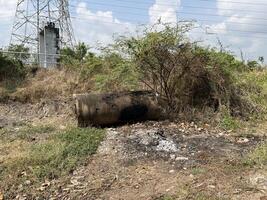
(33, 15)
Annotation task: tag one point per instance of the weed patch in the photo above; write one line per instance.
(57, 155)
(229, 123)
(64, 151)
(257, 157)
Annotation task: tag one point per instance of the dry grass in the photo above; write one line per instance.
(50, 84)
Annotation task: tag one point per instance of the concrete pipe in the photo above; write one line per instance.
(116, 108)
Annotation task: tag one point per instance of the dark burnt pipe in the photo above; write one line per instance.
(116, 108)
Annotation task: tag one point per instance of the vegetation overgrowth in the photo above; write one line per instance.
(185, 74)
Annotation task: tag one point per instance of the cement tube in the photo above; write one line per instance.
(116, 108)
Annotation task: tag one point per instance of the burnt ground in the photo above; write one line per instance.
(151, 160)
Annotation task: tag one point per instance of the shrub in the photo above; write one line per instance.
(11, 68)
(184, 73)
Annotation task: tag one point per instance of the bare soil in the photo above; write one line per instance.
(150, 160)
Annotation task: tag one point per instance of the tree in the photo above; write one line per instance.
(20, 52)
(74, 56)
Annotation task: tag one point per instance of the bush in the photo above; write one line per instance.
(108, 70)
(11, 68)
(184, 73)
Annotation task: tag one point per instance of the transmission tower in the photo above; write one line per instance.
(31, 18)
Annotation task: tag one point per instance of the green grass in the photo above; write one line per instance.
(257, 157)
(203, 196)
(196, 171)
(61, 154)
(27, 132)
(57, 155)
(228, 122)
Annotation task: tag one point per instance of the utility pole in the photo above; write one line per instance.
(32, 17)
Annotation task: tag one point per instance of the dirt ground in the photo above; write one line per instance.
(151, 160)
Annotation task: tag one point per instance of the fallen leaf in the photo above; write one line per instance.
(1, 196)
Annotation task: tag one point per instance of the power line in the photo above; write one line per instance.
(231, 30)
(247, 36)
(166, 4)
(177, 12)
(189, 13)
(189, 6)
(238, 2)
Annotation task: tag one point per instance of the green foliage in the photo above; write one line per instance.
(228, 122)
(73, 58)
(184, 73)
(22, 52)
(11, 68)
(109, 70)
(115, 74)
(253, 64)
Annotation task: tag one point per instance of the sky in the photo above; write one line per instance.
(240, 25)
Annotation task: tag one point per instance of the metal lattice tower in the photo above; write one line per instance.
(31, 17)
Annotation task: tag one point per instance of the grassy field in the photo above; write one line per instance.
(34, 154)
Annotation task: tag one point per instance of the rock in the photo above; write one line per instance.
(171, 171)
(167, 146)
(1, 196)
(27, 182)
(243, 140)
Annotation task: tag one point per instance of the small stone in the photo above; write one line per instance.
(181, 158)
(221, 134)
(171, 171)
(211, 186)
(1, 196)
(200, 129)
(136, 186)
(41, 188)
(172, 156)
(23, 173)
(27, 182)
(243, 140)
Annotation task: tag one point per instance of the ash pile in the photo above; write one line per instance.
(184, 145)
